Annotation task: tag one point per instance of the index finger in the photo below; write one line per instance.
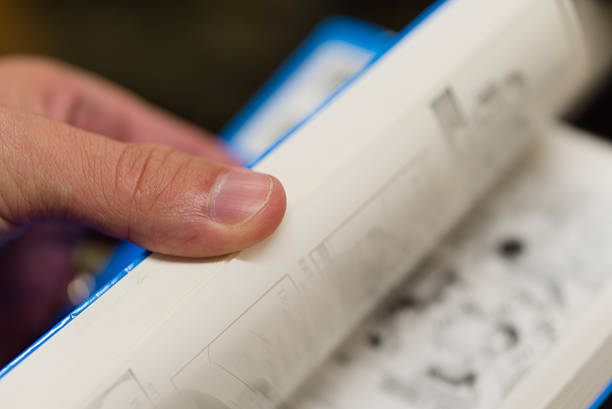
(94, 104)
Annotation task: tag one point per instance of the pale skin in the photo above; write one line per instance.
(76, 150)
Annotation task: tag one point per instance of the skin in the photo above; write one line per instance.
(77, 152)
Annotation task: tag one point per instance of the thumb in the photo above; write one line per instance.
(153, 195)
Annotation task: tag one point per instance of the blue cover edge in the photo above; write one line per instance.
(337, 28)
(601, 399)
(75, 313)
(432, 9)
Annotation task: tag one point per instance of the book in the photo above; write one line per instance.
(445, 245)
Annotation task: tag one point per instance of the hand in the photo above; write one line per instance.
(77, 151)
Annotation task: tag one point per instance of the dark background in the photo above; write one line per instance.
(199, 59)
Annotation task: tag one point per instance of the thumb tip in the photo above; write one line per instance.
(244, 208)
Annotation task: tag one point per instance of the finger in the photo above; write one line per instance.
(89, 102)
(153, 195)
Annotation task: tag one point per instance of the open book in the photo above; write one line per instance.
(446, 245)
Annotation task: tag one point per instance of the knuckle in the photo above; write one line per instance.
(144, 174)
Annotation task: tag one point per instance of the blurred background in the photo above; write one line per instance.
(200, 59)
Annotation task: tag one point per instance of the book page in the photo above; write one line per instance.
(493, 300)
(374, 180)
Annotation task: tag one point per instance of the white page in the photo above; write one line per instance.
(494, 299)
(373, 181)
